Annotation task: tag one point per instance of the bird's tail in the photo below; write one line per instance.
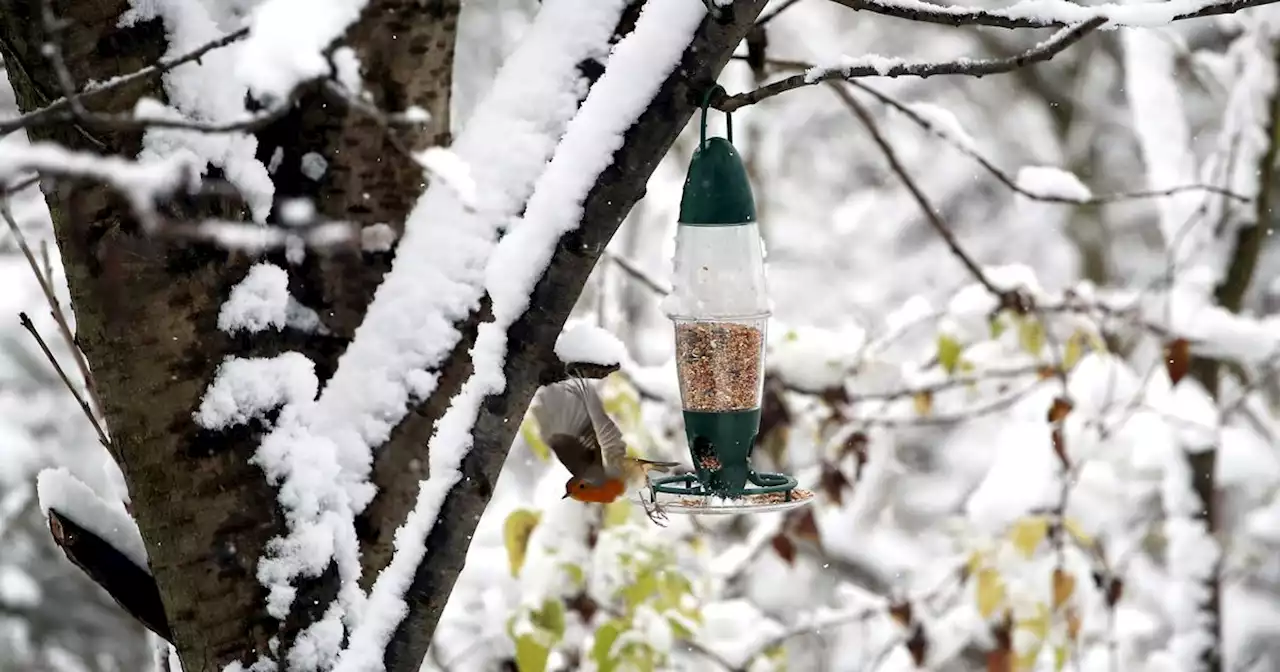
(660, 467)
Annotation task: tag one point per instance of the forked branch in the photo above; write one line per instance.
(881, 66)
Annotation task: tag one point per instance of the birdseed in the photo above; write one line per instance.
(719, 365)
(709, 463)
(797, 495)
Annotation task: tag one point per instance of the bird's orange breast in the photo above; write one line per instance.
(600, 494)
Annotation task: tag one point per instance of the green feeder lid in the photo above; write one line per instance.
(717, 191)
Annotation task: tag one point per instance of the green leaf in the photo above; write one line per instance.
(576, 575)
(617, 512)
(605, 636)
(778, 656)
(949, 353)
(550, 618)
(531, 656)
(997, 326)
(644, 586)
(533, 437)
(672, 587)
(515, 534)
(1031, 335)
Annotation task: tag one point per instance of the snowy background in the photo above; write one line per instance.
(920, 424)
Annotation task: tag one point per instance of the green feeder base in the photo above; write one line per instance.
(720, 445)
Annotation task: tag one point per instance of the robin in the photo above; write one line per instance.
(584, 438)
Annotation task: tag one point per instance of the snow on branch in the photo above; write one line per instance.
(69, 107)
(634, 73)
(883, 66)
(1050, 13)
(946, 129)
(435, 283)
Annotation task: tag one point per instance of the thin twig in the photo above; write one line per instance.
(1012, 183)
(629, 267)
(46, 286)
(44, 347)
(59, 110)
(931, 213)
(880, 66)
(54, 27)
(1119, 15)
(782, 7)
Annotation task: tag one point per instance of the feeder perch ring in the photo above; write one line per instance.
(686, 494)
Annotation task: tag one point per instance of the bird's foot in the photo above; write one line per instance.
(654, 510)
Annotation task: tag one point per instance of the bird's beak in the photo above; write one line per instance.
(565, 496)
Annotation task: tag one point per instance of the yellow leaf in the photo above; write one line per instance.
(1059, 658)
(1074, 349)
(531, 436)
(923, 402)
(1064, 584)
(948, 353)
(1038, 625)
(1031, 335)
(1027, 659)
(1077, 532)
(515, 534)
(990, 591)
(1027, 533)
(974, 563)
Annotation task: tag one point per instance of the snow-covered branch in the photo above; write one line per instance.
(849, 68)
(1050, 13)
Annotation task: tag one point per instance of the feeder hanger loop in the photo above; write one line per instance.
(728, 117)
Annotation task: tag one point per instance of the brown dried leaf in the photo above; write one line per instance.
(1059, 410)
(805, 526)
(785, 548)
(900, 612)
(1073, 624)
(855, 445)
(1177, 359)
(1115, 589)
(923, 402)
(1064, 584)
(833, 483)
(918, 646)
(1060, 447)
(1000, 658)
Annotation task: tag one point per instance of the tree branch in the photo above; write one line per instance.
(131, 586)
(62, 109)
(1207, 371)
(1119, 15)
(531, 339)
(880, 66)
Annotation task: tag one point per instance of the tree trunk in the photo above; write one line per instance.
(147, 311)
(147, 314)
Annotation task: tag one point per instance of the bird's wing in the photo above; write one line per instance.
(609, 438)
(566, 428)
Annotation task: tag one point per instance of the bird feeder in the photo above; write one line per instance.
(719, 305)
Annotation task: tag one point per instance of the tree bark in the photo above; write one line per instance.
(147, 311)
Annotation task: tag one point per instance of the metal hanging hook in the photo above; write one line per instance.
(728, 117)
